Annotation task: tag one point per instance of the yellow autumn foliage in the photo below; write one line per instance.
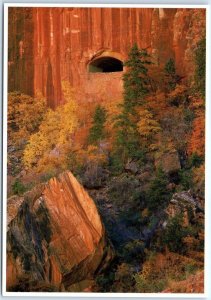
(48, 147)
(147, 125)
(24, 116)
(91, 154)
(148, 128)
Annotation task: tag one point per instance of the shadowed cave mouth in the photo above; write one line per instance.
(105, 65)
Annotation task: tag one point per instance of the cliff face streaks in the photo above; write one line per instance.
(48, 45)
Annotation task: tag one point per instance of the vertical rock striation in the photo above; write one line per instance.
(21, 56)
(48, 45)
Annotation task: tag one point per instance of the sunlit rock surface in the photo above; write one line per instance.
(48, 45)
(55, 239)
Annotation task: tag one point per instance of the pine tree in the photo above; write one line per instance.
(135, 89)
(171, 77)
(97, 131)
(135, 79)
(158, 194)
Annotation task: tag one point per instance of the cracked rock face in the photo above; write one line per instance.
(55, 238)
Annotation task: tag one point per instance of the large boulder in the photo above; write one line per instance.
(55, 238)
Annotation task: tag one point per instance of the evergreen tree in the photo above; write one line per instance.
(135, 79)
(158, 195)
(97, 131)
(171, 76)
(200, 60)
(135, 89)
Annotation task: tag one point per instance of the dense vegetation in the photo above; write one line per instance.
(136, 154)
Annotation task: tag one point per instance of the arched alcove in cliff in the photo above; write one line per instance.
(105, 64)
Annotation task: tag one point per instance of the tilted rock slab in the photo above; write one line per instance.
(55, 240)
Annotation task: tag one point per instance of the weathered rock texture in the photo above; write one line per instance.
(55, 238)
(48, 45)
(185, 204)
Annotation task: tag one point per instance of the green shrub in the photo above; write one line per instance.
(190, 269)
(174, 234)
(186, 178)
(196, 160)
(149, 286)
(97, 131)
(134, 250)
(18, 188)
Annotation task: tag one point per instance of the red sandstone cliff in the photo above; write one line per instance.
(55, 238)
(48, 45)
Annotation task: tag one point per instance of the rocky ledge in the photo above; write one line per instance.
(186, 204)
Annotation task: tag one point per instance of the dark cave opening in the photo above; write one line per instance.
(106, 65)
